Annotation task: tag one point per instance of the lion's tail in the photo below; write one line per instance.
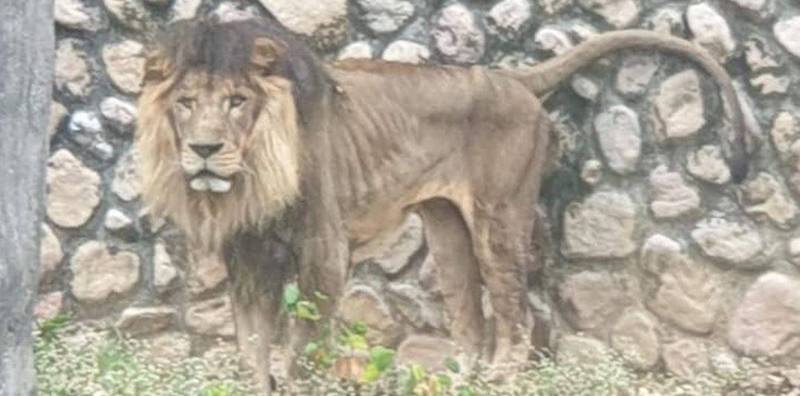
(547, 75)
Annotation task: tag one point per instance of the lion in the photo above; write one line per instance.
(245, 133)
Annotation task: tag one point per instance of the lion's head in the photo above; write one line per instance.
(221, 114)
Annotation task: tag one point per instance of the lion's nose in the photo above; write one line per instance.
(205, 150)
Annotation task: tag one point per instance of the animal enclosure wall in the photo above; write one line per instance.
(647, 246)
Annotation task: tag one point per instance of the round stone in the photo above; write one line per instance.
(457, 35)
(385, 16)
(72, 72)
(125, 65)
(97, 273)
(620, 138)
(407, 52)
(73, 190)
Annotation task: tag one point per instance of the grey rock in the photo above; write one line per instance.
(427, 351)
(50, 253)
(765, 196)
(322, 20)
(231, 12)
(136, 321)
(592, 300)
(635, 337)
(116, 220)
(581, 350)
(73, 190)
(120, 111)
(671, 196)
(686, 293)
(667, 21)
(678, 106)
(206, 272)
(618, 13)
(787, 31)
(125, 62)
(585, 87)
(130, 13)
(767, 321)
(356, 50)
(127, 184)
(185, 9)
(710, 30)
(635, 74)
(551, 7)
(592, 172)
(620, 138)
(769, 83)
(49, 306)
(551, 38)
(362, 304)
(393, 252)
(708, 165)
(165, 275)
(407, 52)
(509, 18)
(75, 14)
(734, 243)
(412, 304)
(600, 227)
(385, 16)
(98, 274)
(686, 358)
(211, 317)
(457, 35)
(57, 114)
(86, 129)
(72, 71)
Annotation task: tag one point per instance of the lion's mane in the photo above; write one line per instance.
(271, 159)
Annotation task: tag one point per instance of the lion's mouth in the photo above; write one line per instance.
(206, 180)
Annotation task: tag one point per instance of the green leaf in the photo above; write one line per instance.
(359, 328)
(307, 310)
(370, 374)
(49, 328)
(311, 348)
(321, 297)
(381, 357)
(452, 365)
(417, 373)
(356, 341)
(444, 380)
(291, 296)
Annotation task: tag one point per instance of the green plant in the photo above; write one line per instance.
(48, 329)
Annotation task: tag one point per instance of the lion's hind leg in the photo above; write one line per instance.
(501, 244)
(449, 243)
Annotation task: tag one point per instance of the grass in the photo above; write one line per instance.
(81, 360)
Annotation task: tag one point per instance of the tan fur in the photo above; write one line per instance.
(352, 148)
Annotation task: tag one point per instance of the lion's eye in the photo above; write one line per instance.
(186, 102)
(236, 101)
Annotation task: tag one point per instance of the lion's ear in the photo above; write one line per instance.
(265, 53)
(157, 66)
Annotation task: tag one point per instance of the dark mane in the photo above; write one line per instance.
(224, 49)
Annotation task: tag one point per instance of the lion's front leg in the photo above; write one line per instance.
(323, 270)
(254, 323)
(258, 266)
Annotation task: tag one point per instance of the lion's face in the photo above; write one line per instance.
(213, 119)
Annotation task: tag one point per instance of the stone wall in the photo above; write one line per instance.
(648, 246)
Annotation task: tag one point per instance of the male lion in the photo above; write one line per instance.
(241, 125)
